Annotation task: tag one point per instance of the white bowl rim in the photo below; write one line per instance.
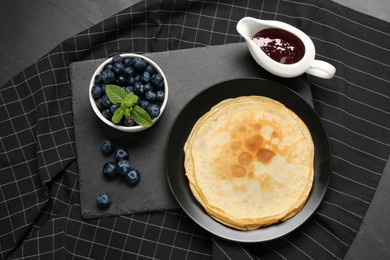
(110, 123)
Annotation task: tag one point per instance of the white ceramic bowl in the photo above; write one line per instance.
(136, 128)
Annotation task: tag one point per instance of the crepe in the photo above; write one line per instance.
(250, 162)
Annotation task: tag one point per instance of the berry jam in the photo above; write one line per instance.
(280, 45)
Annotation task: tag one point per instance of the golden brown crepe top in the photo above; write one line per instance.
(249, 162)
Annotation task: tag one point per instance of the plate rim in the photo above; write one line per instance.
(244, 237)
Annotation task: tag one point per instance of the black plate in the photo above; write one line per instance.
(202, 103)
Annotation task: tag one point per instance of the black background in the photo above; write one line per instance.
(28, 30)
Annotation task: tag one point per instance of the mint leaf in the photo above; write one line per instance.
(118, 114)
(116, 94)
(128, 106)
(128, 112)
(140, 116)
(130, 99)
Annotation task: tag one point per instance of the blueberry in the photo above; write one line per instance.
(129, 71)
(133, 177)
(98, 79)
(107, 146)
(116, 58)
(138, 89)
(129, 89)
(149, 69)
(137, 78)
(106, 101)
(145, 77)
(104, 86)
(108, 66)
(130, 80)
(148, 87)
(138, 63)
(121, 80)
(106, 112)
(153, 110)
(110, 169)
(144, 104)
(108, 76)
(160, 95)
(121, 154)
(157, 80)
(123, 167)
(127, 61)
(143, 89)
(118, 68)
(113, 108)
(150, 96)
(99, 103)
(97, 91)
(103, 200)
(128, 121)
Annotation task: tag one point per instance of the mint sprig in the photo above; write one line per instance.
(128, 107)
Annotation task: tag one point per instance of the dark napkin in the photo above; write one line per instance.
(187, 72)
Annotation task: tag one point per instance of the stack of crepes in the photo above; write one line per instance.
(250, 162)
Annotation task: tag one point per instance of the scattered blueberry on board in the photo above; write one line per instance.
(107, 146)
(121, 154)
(110, 169)
(103, 200)
(133, 75)
(133, 177)
(121, 167)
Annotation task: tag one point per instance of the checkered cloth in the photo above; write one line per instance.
(39, 194)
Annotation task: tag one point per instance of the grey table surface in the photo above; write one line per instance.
(29, 29)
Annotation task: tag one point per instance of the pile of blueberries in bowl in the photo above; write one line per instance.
(128, 92)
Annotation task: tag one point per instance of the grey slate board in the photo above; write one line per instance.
(188, 72)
